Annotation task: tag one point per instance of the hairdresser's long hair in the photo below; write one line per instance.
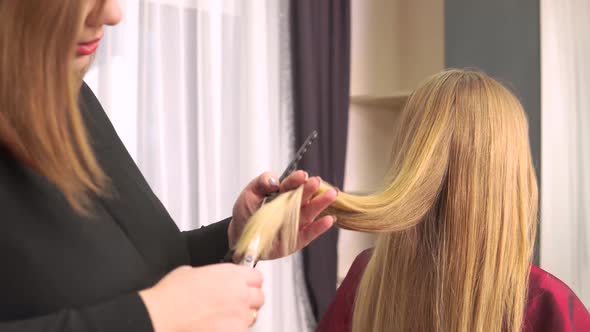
(457, 217)
(40, 123)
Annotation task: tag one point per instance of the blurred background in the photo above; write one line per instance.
(207, 94)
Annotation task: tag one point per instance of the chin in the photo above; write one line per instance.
(82, 64)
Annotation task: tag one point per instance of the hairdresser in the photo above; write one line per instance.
(85, 245)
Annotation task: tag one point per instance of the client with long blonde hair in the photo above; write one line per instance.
(457, 220)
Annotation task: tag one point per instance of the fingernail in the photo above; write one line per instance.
(306, 176)
(273, 182)
(334, 219)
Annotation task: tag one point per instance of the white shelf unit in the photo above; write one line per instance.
(395, 45)
(392, 102)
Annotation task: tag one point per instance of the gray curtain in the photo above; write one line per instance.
(321, 78)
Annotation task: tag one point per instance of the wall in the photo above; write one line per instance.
(501, 37)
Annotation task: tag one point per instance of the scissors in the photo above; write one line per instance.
(252, 251)
(293, 164)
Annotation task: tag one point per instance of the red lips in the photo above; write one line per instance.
(88, 48)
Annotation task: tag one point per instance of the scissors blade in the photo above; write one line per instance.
(292, 166)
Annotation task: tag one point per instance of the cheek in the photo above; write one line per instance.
(87, 12)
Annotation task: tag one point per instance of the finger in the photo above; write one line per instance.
(246, 318)
(318, 204)
(310, 188)
(254, 318)
(313, 230)
(252, 276)
(255, 298)
(294, 180)
(265, 184)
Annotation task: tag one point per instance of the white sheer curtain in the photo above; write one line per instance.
(199, 91)
(565, 179)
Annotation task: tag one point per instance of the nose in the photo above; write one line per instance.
(106, 13)
(112, 12)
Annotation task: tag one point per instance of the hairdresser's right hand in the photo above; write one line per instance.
(220, 297)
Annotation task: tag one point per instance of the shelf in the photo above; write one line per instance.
(394, 101)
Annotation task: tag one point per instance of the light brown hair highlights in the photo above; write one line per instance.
(40, 123)
(457, 219)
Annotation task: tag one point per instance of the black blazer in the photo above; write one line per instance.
(63, 272)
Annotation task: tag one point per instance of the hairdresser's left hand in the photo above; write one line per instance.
(251, 198)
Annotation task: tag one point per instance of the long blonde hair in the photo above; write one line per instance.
(40, 123)
(457, 219)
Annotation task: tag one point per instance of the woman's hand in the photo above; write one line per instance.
(252, 196)
(221, 297)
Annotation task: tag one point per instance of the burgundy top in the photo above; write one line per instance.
(551, 305)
